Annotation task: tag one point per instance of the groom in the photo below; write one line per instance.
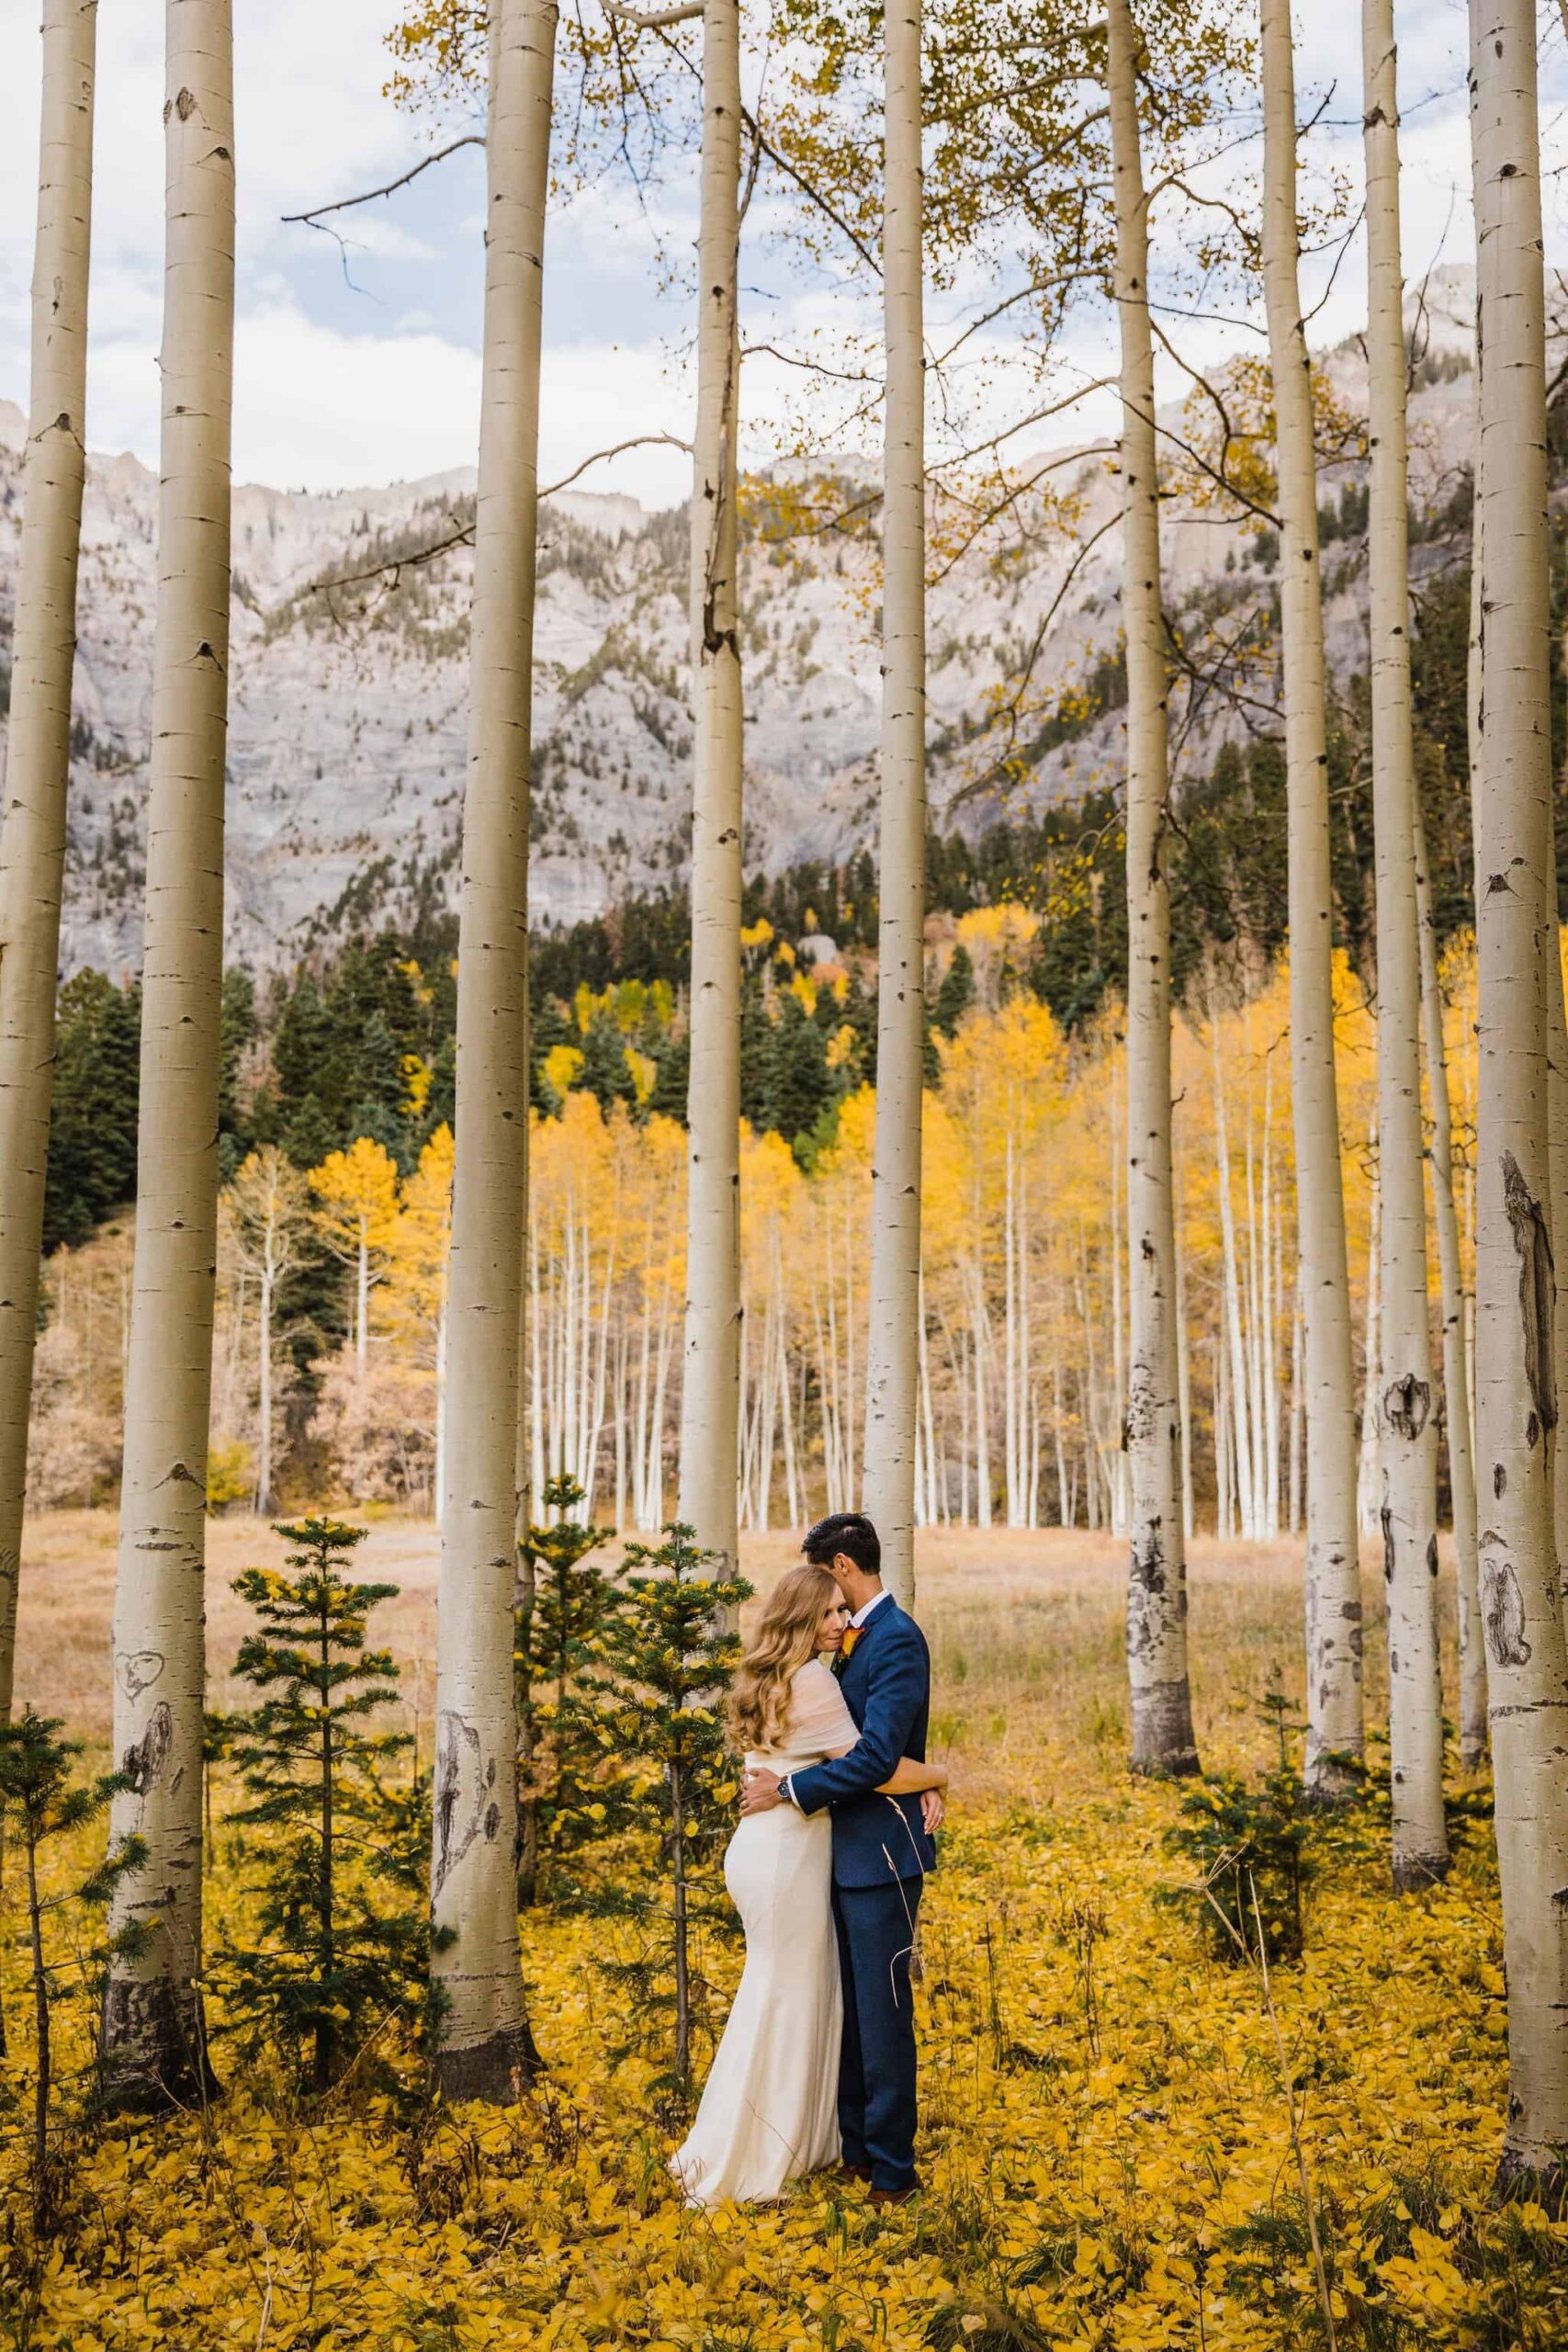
(882, 1849)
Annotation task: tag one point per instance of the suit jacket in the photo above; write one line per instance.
(887, 1683)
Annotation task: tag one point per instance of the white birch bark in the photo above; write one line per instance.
(152, 2037)
(1367, 1519)
(1156, 1591)
(1334, 1723)
(1456, 1374)
(1298, 1415)
(892, 1369)
(38, 757)
(484, 2050)
(1407, 1422)
(1557, 1157)
(1516, 1398)
(1183, 1369)
(1116, 1464)
(708, 1482)
(1240, 1441)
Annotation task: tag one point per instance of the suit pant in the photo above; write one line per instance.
(875, 1929)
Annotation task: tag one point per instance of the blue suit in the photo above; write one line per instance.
(881, 1853)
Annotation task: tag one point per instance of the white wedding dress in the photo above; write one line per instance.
(770, 2110)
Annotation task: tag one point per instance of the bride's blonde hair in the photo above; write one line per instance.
(785, 1637)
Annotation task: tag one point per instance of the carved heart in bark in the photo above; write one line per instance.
(138, 1670)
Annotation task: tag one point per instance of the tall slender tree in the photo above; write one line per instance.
(152, 2048)
(709, 1432)
(1335, 1725)
(1156, 1592)
(892, 1346)
(1407, 1423)
(38, 758)
(483, 2046)
(1456, 1375)
(1516, 929)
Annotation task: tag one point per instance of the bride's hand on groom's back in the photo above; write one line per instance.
(933, 1806)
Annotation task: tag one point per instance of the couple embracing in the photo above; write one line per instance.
(817, 2066)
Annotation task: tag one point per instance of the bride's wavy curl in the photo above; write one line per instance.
(785, 1638)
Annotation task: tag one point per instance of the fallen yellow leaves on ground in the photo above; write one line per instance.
(1106, 2147)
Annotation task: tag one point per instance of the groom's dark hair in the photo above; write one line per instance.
(849, 1532)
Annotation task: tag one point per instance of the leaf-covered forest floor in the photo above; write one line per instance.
(1109, 2138)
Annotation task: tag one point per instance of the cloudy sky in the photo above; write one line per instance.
(343, 384)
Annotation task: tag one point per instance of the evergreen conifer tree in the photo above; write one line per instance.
(956, 994)
(562, 1605)
(92, 1132)
(665, 1665)
(335, 1951)
(40, 1799)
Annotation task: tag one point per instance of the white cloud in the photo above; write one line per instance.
(333, 389)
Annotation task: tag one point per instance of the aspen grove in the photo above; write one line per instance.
(1114, 1130)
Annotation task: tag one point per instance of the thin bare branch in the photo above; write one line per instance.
(638, 441)
(312, 220)
(652, 19)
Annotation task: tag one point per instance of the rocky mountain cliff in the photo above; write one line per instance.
(347, 741)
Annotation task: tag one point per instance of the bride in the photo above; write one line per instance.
(770, 2110)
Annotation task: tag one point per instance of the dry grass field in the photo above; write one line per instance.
(1025, 1627)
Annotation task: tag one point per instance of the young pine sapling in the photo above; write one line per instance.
(665, 1662)
(563, 1599)
(41, 1801)
(334, 1952)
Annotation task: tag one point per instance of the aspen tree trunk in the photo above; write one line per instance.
(1241, 1446)
(1407, 1422)
(1183, 1373)
(1366, 1518)
(1117, 1472)
(1516, 1398)
(153, 2049)
(1335, 1725)
(1223, 1528)
(892, 1369)
(1156, 1591)
(1456, 1375)
(264, 1351)
(708, 1478)
(1557, 1157)
(484, 2049)
(935, 1502)
(38, 759)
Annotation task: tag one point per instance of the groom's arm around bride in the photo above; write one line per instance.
(882, 1850)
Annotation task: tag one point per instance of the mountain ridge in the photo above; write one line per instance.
(348, 707)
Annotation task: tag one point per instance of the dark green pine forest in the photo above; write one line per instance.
(314, 1058)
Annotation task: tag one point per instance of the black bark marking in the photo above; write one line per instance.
(1431, 1555)
(138, 1670)
(456, 1747)
(1407, 1402)
(1499, 1480)
(1537, 1289)
(1503, 1614)
(1387, 1517)
(1148, 1565)
(143, 1761)
(185, 104)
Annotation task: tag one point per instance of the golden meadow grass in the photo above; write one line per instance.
(1107, 2138)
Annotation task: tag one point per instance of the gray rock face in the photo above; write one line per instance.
(347, 741)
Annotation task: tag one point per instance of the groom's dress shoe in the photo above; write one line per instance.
(853, 2172)
(881, 2196)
